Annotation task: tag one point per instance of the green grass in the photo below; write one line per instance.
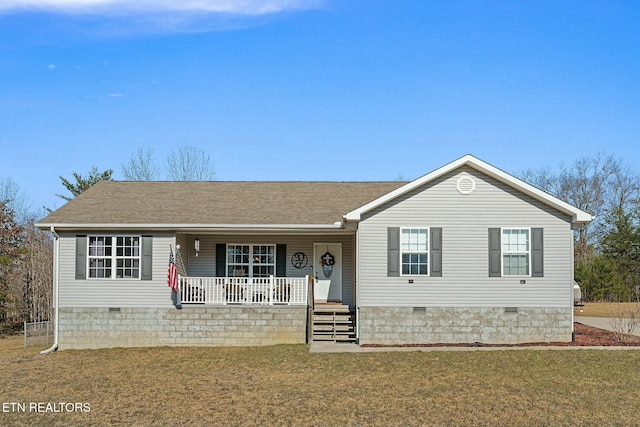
(286, 385)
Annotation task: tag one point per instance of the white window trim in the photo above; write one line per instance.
(502, 272)
(114, 258)
(400, 252)
(251, 264)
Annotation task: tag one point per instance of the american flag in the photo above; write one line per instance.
(172, 275)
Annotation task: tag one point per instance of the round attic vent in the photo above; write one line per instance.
(466, 184)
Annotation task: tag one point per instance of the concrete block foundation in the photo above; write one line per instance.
(192, 326)
(453, 325)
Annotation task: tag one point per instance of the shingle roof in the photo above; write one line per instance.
(216, 203)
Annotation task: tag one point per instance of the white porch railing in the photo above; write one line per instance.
(244, 290)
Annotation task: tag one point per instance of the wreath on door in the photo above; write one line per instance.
(327, 259)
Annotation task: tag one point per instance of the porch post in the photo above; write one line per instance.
(179, 293)
(270, 290)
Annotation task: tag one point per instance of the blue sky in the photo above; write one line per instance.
(314, 90)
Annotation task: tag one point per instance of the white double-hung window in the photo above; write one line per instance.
(516, 251)
(414, 251)
(251, 260)
(112, 257)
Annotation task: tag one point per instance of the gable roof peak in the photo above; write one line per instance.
(578, 216)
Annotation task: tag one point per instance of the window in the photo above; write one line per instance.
(516, 251)
(251, 260)
(114, 257)
(414, 249)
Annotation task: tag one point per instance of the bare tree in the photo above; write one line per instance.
(189, 163)
(597, 185)
(37, 275)
(26, 270)
(11, 256)
(625, 191)
(14, 197)
(625, 322)
(141, 166)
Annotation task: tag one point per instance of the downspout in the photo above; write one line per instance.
(56, 251)
(357, 284)
(571, 282)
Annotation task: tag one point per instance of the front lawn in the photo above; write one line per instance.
(286, 385)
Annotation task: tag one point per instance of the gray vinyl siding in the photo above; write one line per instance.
(204, 265)
(465, 220)
(155, 293)
(115, 292)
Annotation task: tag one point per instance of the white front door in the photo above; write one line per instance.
(327, 265)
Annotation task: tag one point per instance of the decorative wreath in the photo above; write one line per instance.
(299, 260)
(327, 259)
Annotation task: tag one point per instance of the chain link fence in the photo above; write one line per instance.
(38, 333)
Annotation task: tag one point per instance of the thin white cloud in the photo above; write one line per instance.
(130, 18)
(126, 7)
(51, 66)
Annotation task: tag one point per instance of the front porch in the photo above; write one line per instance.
(244, 290)
(255, 275)
(327, 322)
(261, 268)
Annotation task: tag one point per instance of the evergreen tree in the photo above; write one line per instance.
(621, 247)
(81, 183)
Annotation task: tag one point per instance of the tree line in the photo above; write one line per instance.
(26, 271)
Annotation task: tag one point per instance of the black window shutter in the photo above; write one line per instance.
(281, 260)
(494, 253)
(81, 257)
(393, 252)
(537, 253)
(436, 252)
(147, 252)
(221, 260)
